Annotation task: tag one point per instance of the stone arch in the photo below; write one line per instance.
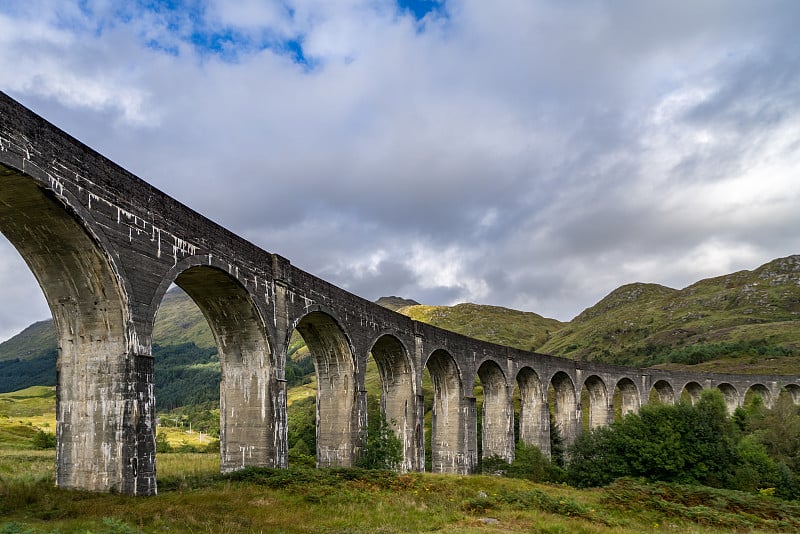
(628, 395)
(534, 421)
(662, 392)
(105, 409)
(731, 396)
(453, 439)
(398, 397)
(566, 407)
(599, 408)
(794, 391)
(760, 390)
(691, 392)
(497, 436)
(252, 401)
(339, 421)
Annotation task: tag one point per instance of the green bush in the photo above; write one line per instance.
(162, 445)
(44, 440)
(383, 449)
(681, 443)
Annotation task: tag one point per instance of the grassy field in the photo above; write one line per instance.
(193, 497)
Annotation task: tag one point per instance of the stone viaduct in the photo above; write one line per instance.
(105, 246)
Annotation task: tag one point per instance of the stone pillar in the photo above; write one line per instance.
(498, 423)
(534, 417)
(418, 461)
(467, 458)
(249, 405)
(105, 419)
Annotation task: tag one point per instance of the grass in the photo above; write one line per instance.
(194, 497)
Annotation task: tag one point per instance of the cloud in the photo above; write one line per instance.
(533, 155)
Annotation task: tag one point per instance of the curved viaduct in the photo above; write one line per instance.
(105, 246)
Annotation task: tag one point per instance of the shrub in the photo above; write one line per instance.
(162, 445)
(531, 464)
(44, 440)
(383, 449)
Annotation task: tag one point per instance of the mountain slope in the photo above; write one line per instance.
(504, 326)
(637, 321)
(35, 341)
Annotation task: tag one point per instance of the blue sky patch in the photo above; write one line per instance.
(419, 8)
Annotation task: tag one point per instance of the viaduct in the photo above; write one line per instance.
(105, 246)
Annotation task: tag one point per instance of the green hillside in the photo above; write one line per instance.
(512, 328)
(395, 303)
(37, 340)
(749, 314)
(179, 320)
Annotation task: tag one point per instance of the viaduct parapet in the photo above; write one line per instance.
(105, 247)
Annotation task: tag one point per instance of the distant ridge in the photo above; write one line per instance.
(748, 314)
(35, 341)
(504, 326)
(395, 303)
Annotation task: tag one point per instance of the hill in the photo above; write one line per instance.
(37, 340)
(395, 303)
(504, 326)
(753, 314)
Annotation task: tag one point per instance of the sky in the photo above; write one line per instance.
(528, 154)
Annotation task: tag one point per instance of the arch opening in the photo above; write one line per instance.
(398, 400)
(564, 408)
(105, 408)
(731, 396)
(595, 408)
(759, 390)
(497, 413)
(662, 393)
(534, 418)
(691, 393)
(453, 433)
(338, 399)
(251, 399)
(794, 391)
(626, 398)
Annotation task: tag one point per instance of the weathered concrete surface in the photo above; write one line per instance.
(105, 246)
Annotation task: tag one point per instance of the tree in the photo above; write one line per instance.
(383, 449)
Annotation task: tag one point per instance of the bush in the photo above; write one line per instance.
(681, 443)
(531, 464)
(162, 445)
(383, 449)
(44, 440)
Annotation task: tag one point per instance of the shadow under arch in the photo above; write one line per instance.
(759, 390)
(497, 436)
(731, 396)
(453, 433)
(794, 391)
(105, 407)
(599, 412)
(399, 399)
(534, 419)
(662, 392)
(252, 401)
(691, 392)
(566, 407)
(627, 395)
(339, 421)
